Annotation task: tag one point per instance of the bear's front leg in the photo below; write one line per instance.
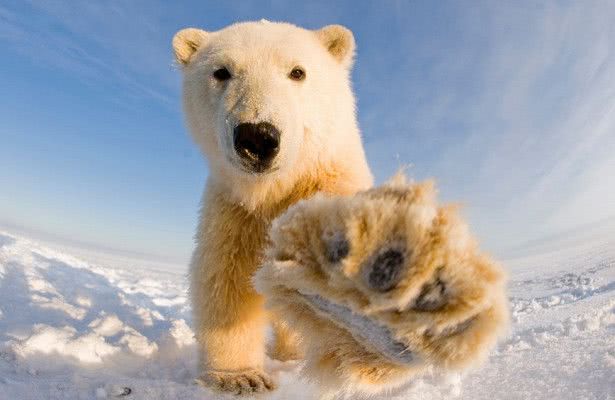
(229, 317)
(230, 335)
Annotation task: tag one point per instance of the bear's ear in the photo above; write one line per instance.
(186, 42)
(339, 41)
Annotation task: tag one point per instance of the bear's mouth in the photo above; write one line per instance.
(254, 168)
(365, 330)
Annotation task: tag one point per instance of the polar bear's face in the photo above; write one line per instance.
(260, 97)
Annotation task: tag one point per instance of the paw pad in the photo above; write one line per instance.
(337, 246)
(385, 270)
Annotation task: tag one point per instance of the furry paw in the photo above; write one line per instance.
(382, 285)
(286, 346)
(245, 382)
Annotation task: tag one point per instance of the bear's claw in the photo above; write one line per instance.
(432, 296)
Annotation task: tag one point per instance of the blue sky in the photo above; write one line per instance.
(510, 105)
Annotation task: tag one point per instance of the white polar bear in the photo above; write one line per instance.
(380, 284)
(271, 107)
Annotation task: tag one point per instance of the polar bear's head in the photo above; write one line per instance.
(267, 100)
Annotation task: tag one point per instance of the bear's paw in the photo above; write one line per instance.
(244, 382)
(382, 285)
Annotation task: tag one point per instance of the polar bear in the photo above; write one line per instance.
(382, 285)
(271, 107)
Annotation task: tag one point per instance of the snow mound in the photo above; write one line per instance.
(76, 330)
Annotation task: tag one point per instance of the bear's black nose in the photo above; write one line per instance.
(258, 144)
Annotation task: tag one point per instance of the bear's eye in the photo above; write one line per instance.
(222, 74)
(297, 74)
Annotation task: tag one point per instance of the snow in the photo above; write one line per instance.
(71, 329)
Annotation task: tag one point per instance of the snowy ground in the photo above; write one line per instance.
(71, 329)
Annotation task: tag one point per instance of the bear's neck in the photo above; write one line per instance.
(270, 197)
